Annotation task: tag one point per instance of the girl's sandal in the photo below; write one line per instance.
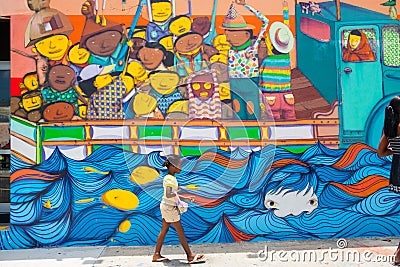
(199, 258)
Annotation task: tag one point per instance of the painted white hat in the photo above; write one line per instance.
(281, 37)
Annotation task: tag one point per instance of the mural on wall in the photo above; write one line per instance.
(272, 150)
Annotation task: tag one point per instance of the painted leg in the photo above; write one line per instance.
(288, 111)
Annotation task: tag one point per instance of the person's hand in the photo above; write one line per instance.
(240, 2)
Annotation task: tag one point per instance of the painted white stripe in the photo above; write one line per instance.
(23, 148)
(110, 132)
(292, 132)
(198, 133)
(73, 152)
(165, 150)
(246, 148)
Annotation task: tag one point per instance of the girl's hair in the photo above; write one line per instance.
(174, 160)
(392, 113)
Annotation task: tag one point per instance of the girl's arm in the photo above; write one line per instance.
(169, 193)
(383, 149)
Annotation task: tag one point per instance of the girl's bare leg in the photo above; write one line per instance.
(397, 255)
(182, 238)
(160, 239)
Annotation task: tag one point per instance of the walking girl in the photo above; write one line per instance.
(170, 212)
(390, 145)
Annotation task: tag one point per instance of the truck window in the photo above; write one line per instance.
(315, 29)
(359, 45)
(391, 45)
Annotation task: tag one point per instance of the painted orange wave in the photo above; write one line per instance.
(365, 187)
(350, 155)
(32, 174)
(236, 234)
(283, 162)
(206, 202)
(224, 161)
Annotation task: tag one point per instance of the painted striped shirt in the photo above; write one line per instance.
(275, 74)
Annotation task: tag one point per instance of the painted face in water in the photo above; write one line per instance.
(284, 203)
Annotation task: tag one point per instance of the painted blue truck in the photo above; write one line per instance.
(362, 88)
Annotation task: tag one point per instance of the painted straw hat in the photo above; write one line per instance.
(234, 21)
(281, 37)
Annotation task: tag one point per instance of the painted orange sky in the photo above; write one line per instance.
(200, 7)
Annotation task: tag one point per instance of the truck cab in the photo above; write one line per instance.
(354, 60)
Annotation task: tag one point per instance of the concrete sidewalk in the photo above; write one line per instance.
(310, 253)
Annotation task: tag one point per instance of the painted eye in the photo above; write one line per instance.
(207, 86)
(313, 202)
(196, 86)
(271, 204)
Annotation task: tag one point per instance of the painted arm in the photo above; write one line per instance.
(213, 32)
(263, 28)
(189, 9)
(383, 149)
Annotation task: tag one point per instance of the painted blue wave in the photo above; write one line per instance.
(233, 198)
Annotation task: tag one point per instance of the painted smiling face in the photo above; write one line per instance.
(32, 100)
(283, 202)
(104, 44)
(203, 86)
(151, 57)
(78, 55)
(164, 82)
(53, 47)
(59, 111)
(354, 41)
(180, 25)
(238, 37)
(61, 77)
(188, 42)
(161, 11)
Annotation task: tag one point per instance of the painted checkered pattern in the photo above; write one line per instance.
(106, 103)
